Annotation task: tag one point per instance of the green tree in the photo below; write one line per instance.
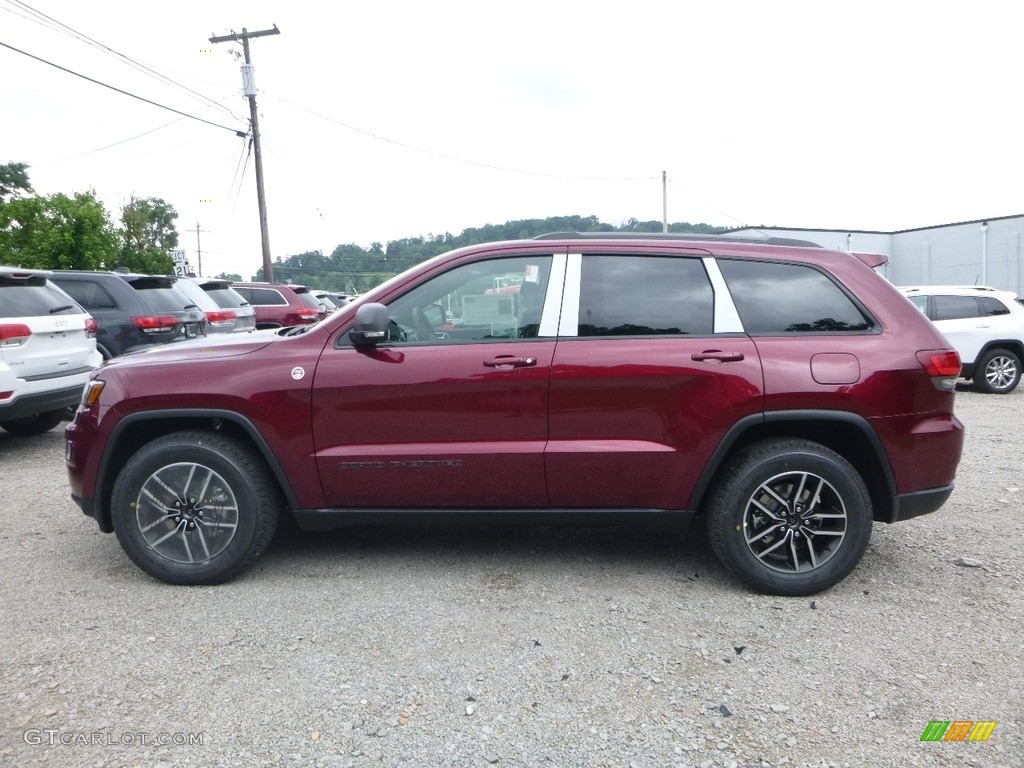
(57, 232)
(149, 234)
(13, 180)
(230, 276)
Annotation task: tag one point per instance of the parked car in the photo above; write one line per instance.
(785, 394)
(133, 312)
(986, 326)
(47, 349)
(227, 298)
(281, 306)
(219, 319)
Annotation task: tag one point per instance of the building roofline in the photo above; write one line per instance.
(989, 220)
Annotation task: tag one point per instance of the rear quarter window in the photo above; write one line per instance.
(775, 298)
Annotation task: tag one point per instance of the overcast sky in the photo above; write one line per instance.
(386, 120)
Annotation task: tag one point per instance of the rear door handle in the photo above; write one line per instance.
(511, 361)
(716, 355)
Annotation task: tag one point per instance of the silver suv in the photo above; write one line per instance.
(47, 349)
(985, 325)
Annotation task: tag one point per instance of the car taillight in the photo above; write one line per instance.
(221, 318)
(943, 365)
(308, 313)
(91, 326)
(14, 334)
(155, 323)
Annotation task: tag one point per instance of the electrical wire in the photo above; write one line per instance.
(452, 158)
(59, 26)
(121, 91)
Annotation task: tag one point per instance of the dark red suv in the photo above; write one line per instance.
(786, 394)
(279, 305)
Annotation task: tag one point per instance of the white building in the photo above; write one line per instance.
(982, 252)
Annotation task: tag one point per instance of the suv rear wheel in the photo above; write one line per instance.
(195, 507)
(789, 517)
(998, 372)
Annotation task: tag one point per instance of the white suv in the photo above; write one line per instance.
(47, 349)
(985, 325)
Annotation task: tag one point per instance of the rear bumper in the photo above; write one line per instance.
(41, 402)
(908, 505)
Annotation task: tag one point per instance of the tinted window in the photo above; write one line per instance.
(263, 296)
(225, 296)
(309, 299)
(163, 296)
(991, 306)
(774, 298)
(643, 296)
(90, 295)
(954, 307)
(32, 298)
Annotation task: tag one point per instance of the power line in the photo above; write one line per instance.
(122, 91)
(59, 26)
(464, 161)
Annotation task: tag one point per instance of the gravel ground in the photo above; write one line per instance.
(529, 647)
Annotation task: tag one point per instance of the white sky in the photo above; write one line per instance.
(861, 115)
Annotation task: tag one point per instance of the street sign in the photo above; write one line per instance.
(181, 265)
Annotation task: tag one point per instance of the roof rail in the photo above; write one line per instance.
(676, 236)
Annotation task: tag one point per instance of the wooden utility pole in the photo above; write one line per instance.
(664, 201)
(199, 247)
(249, 86)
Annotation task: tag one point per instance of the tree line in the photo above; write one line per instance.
(350, 268)
(76, 232)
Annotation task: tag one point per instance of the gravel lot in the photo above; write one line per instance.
(529, 647)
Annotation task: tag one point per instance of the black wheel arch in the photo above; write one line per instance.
(137, 429)
(848, 434)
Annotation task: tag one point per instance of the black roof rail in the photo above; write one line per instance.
(682, 236)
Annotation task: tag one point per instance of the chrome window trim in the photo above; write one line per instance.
(568, 324)
(727, 319)
(549, 320)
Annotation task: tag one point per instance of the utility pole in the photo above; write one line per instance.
(664, 201)
(249, 88)
(199, 247)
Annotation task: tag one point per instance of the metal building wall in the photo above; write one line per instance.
(979, 252)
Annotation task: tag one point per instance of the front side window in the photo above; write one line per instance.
(644, 296)
(777, 298)
(489, 300)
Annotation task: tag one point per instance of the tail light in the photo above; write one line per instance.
(943, 365)
(220, 319)
(307, 313)
(91, 326)
(155, 323)
(14, 334)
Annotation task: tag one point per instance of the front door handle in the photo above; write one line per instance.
(716, 355)
(511, 361)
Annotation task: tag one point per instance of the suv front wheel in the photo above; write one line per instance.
(789, 517)
(195, 507)
(998, 372)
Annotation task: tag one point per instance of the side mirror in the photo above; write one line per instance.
(370, 326)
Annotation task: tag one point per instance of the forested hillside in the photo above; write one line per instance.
(354, 269)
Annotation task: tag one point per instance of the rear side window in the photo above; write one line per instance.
(32, 298)
(774, 298)
(955, 307)
(644, 296)
(90, 295)
(267, 297)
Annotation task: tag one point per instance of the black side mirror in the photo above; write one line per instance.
(370, 326)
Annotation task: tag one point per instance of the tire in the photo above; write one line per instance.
(178, 538)
(997, 372)
(34, 425)
(768, 543)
